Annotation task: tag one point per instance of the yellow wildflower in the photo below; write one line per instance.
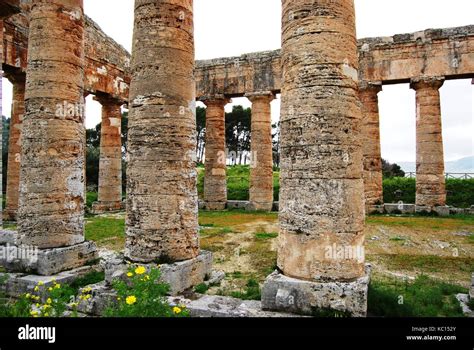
(28, 295)
(49, 301)
(140, 270)
(33, 313)
(57, 286)
(50, 289)
(37, 289)
(40, 283)
(130, 274)
(46, 315)
(131, 300)
(177, 310)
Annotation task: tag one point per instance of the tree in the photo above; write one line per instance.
(391, 170)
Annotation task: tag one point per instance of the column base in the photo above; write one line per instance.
(286, 294)
(215, 205)
(181, 276)
(107, 207)
(45, 262)
(256, 206)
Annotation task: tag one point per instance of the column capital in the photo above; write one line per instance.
(252, 96)
(215, 100)
(104, 99)
(426, 82)
(14, 75)
(370, 86)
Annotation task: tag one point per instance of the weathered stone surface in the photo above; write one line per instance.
(110, 163)
(286, 294)
(102, 295)
(322, 191)
(14, 147)
(8, 237)
(215, 179)
(371, 143)
(51, 206)
(21, 283)
(432, 52)
(261, 168)
(181, 276)
(430, 180)
(51, 261)
(162, 203)
(107, 64)
(401, 208)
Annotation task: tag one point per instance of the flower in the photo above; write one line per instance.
(130, 274)
(177, 310)
(140, 270)
(27, 295)
(49, 301)
(40, 283)
(131, 300)
(50, 289)
(57, 286)
(34, 313)
(46, 315)
(37, 289)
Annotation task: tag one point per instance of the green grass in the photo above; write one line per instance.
(424, 297)
(91, 197)
(105, 230)
(429, 263)
(201, 288)
(250, 292)
(265, 235)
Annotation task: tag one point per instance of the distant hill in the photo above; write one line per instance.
(463, 165)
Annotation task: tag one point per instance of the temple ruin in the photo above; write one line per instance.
(331, 173)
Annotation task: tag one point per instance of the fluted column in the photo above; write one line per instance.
(261, 169)
(215, 177)
(110, 163)
(14, 145)
(51, 206)
(162, 202)
(430, 178)
(373, 182)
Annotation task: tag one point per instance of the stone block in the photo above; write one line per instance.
(107, 207)
(181, 276)
(399, 207)
(20, 283)
(442, 210)
(8, 237)
(290, 295)
(375, 209)
(46, 262)
(237, 204)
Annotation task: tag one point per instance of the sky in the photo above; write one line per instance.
(233, 27)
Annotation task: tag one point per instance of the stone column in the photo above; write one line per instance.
(215, 178)
(261, 169)
(110, 164)
(51, 204)
(321, 241)
(162, 203)
(14, 145)
(430, 180)
(371, 144)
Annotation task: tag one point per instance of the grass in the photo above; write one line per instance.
(428, 263)
(250, 292)
(425, 297)
(265, 235)
(109, 232)
(420, 222)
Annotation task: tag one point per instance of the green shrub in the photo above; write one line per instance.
(460, 193)
(251, 291)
